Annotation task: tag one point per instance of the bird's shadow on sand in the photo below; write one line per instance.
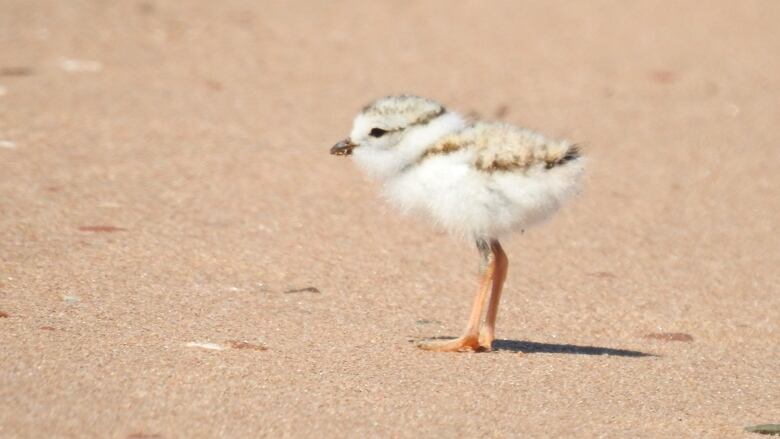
(530, 347)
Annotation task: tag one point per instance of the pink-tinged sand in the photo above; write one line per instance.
(183, 193)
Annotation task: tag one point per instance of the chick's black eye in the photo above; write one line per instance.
(377, 132)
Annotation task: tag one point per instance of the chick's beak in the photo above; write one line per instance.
(344, 147)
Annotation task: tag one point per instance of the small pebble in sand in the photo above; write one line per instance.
(303, 290)
(3, 315)
(71, 299)
(7, 144)
(237, 344)
(205, 345)
(141, 435)
(80, 65)
(16, 71)
(770, 429)
(101, 229)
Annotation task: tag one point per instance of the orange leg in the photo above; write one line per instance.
(488, 332)
(469, 341)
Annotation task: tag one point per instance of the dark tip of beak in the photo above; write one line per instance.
(344, 147)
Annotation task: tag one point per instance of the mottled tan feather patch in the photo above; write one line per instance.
(500, 147)
(412, 110)
(441, 148)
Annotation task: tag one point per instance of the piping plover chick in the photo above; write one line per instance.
(478, 180)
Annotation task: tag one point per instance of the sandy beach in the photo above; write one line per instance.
(180, 257)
